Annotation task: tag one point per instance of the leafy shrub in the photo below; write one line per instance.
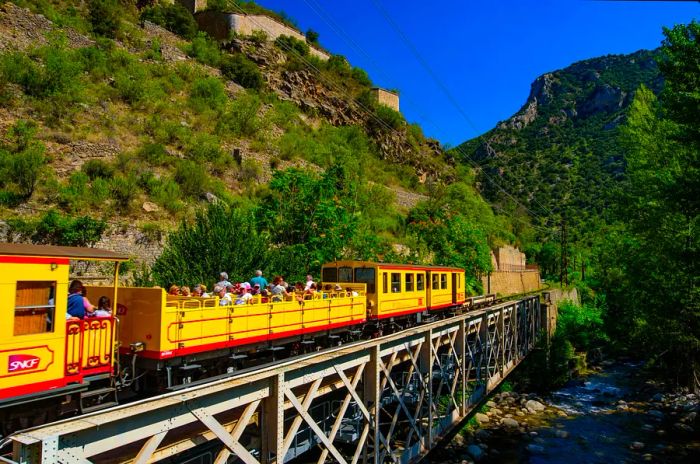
(250, 170)
(205, 50)
(203, 148)
(292, 46)
(21, 160)
(154, 154)
(53, 228)
(208, 92)
(123, 189)
(192, 178)
(259, 37)
(388, 117)
(105, 17)
(59, 75)
(97, 169)
(242, 71)
(241, 117)
(312, 36)
(174, 18)
(360, 75)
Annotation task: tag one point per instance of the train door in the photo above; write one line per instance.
(455, 286)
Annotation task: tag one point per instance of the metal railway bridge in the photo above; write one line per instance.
(389, 399)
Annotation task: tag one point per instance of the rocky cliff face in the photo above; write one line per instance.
(561, 148)
(317, 95)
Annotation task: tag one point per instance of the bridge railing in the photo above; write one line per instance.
(389, 399)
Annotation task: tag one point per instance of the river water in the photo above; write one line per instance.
(612, 416)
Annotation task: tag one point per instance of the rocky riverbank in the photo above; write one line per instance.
(608, 416)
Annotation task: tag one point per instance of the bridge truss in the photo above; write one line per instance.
(389, 399)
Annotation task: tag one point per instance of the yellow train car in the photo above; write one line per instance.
(395, 290)
(42, 354)
(447, 287)
(157, 326)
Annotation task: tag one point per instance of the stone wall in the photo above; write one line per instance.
(221, 25)
(510, 259)
(132, 242)
(511, 282)
(386, 98)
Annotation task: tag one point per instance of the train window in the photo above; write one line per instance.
(366, 275)
(329, 274)
(344, 274)
(443, 281)
(35, 307)
(420, 282)
(436, 281)
(395, 282)
(409, 282)
(385, 283)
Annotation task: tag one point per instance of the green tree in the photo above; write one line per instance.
(105, 17)
(652, 283)
(219, 239)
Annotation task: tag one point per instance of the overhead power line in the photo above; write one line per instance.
(380, 121)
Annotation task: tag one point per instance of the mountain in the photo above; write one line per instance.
(128, 113)
(560, 153)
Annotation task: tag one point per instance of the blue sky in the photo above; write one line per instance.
(485, 53)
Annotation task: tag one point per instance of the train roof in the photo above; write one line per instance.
(50, 251)
(397, 266)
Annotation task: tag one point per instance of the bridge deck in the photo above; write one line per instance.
(389, 399)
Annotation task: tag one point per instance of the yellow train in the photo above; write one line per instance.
(157, 341)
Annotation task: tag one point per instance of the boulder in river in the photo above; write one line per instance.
(533, 405)
(636, 445)
(490, 404)
(656, 413)
(481, 418)
(510, 423)
(476, 452)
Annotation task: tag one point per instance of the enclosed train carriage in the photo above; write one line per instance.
(41, 353)
(446, 287)
(395, 290)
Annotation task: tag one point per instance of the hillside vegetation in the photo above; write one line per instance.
(112, 114)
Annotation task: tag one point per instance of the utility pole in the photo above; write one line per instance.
(563, 271)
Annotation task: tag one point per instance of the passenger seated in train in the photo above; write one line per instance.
(311, 292)
(309, 282)
(259, 279)
(185, 291)
(224, 298)
(104, 308)
(200, 290)
(223, 280)
(351, 292)
(78, 305)
(255, 290)
(174, 290)
(279, 290)
(244, 296)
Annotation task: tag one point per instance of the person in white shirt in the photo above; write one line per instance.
(309, 282)
(224, 298)
(244, 296)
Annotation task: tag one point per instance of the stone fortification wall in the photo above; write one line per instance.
(221, 25)
(386, 98)
(510, 259)
(511, 282)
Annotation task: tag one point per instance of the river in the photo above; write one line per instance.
(611, 416)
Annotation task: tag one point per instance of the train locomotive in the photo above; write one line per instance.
(52, 367)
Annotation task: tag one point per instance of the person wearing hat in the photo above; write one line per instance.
(255, 290)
